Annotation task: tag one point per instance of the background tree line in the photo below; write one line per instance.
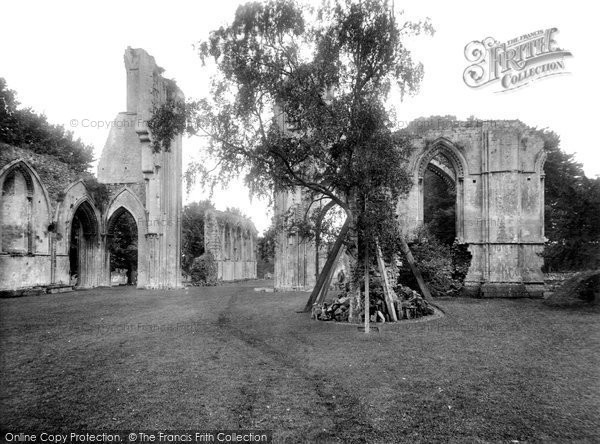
(24, 128)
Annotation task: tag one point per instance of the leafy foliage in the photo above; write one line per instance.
(439, 208)
(204, 270)
(97, 190)
(582, 289)
(167, 121)
(421, 125)
(24, 128)
(235, 211)
(192, 232)
(300, 101)
(572, 212)
(266, 244)
(443, 266)
(123, 245)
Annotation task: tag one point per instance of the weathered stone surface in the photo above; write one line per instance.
(144, 183)
(297, 260)
(232, 241)
(496, 168)
(46, 218)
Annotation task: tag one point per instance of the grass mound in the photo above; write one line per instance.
(582, 289)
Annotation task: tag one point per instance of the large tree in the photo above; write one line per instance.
(300, 100)
(572, 213)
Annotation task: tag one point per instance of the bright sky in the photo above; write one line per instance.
(65, 59)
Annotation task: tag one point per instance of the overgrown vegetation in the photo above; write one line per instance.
(581, 290)
(572, 212)
(266, 244)
(439, 210)
(203, 271)
(22, 127)
(123, 246)
(98, 191)
(444, 267)
(167, 121)
(192, 232)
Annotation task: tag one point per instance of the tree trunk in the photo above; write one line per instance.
(356, 302)
(328, 267)
(367, 301)
(325, 288)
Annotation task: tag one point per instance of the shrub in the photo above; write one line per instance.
(204, 270)
(443, 267)
(582, 289)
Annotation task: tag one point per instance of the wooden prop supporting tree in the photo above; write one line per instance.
(326, 286)
(328, 268)
(413, 266)
(387, 289)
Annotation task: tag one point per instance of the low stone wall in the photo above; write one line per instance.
(24, 271)
(233, 271)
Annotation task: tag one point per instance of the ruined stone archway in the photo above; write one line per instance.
(453, 173)
(77, 201)
(122, 245)
(439, 201)
(126, 200)
(83, 246)
(496, 168)
(68, 234)
(499, 201)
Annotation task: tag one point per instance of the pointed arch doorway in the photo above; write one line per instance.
(83, 246)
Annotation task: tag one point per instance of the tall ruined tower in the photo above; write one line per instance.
(142, 182)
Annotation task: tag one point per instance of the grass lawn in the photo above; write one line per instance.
(228, 358)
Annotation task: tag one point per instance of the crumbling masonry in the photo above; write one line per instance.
(497, 171)
(232, 241)
(49, 227)
(46, 236)
(54, 233)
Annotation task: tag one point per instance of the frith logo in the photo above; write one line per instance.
(515, 63)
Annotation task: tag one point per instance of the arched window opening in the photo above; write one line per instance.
(228, 246)
(83, 237)
(122, 236)
(439, 199)
(16, 212)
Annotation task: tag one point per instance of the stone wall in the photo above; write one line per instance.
(498, 171)
(50, 223)
(232, 241)
(496, 168)
(128, 164)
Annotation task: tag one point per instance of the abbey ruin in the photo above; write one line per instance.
(232, 241)
(55, 233)
(496, 170)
